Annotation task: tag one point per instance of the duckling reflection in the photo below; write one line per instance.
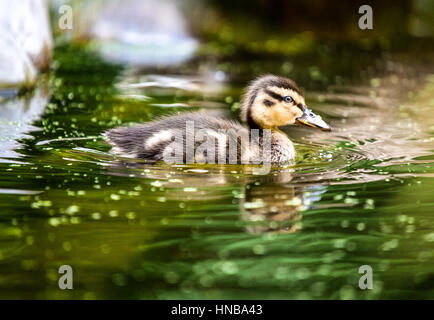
(272, 204)
(276, 203)
(267, 203)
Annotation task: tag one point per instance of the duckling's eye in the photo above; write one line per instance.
(289, 99)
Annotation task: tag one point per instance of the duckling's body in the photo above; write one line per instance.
(269, 102)
(150, 140)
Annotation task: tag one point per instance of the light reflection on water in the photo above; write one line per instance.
(360, 195)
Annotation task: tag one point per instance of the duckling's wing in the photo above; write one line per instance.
(148, 141)
(128, 141)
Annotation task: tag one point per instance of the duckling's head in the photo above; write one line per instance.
(271, 101)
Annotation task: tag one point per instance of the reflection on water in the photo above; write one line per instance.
(359, 195)
(16, 117)
(275, 202)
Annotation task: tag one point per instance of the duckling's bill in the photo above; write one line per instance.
(310, 119)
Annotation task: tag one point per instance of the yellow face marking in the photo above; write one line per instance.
(280, 113)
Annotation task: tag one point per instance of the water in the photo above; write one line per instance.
(361, 195)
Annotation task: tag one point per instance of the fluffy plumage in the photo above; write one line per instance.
(269, 102)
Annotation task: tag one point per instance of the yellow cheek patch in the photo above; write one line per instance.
(279, 113)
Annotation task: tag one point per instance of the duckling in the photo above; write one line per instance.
(268, 103)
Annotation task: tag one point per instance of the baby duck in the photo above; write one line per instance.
(268, 103)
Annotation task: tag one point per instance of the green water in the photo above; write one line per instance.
(361, 195)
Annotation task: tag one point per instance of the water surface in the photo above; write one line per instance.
(360, 195)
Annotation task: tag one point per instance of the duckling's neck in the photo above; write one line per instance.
(250, 122)
(282, 148)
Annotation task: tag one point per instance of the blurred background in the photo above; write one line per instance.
(362, 194)
(210, 34)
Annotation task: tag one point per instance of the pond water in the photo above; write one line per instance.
(360, 195)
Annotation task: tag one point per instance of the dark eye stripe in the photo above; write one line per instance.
(275, 95)
(268, 103)
(300, 106)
